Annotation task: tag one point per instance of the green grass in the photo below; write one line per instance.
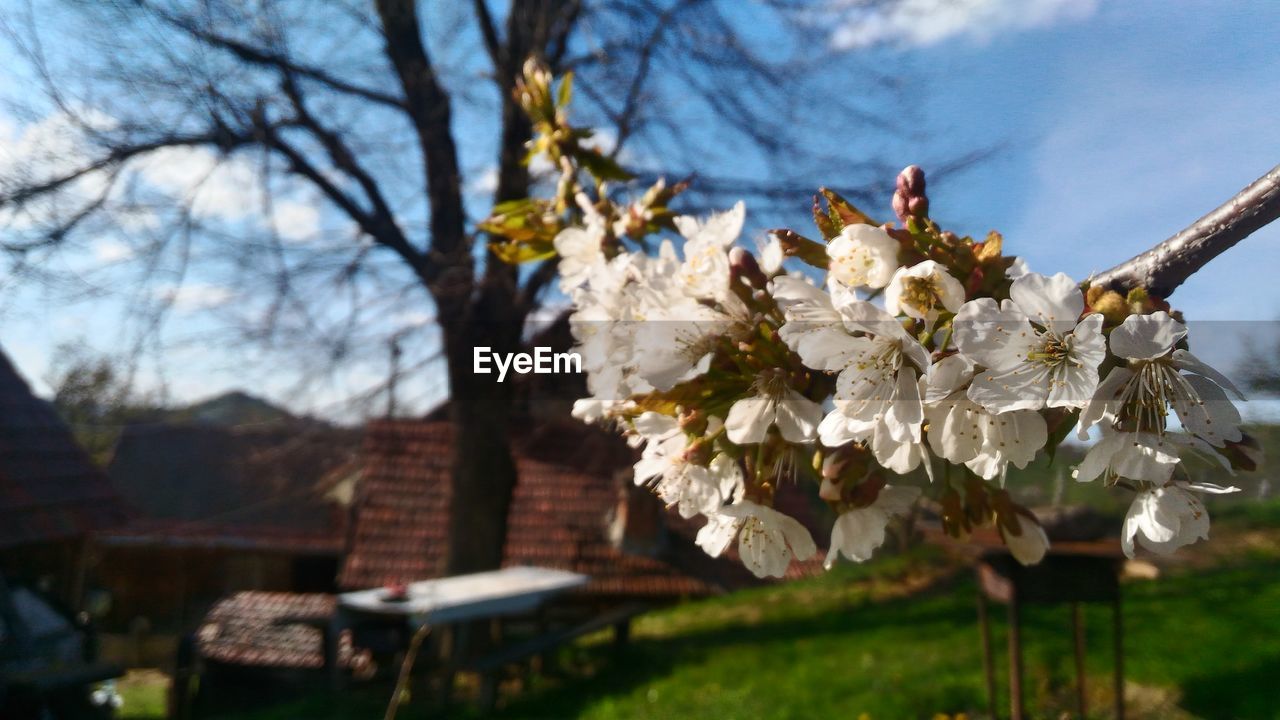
(144, 693)
(1199, 644)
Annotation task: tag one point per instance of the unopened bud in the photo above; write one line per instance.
(911, 181)
(909, 198)
(693, 421)
(1110, 303)
(742, 264)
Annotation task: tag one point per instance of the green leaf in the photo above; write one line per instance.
(844, 210)
(516, 253)
(565, 95)
(602, 167)
(823, 220)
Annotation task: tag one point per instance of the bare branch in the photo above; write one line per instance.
(1164, 267)
(265, 58)
(490, 34)
(389, 236)
(428, 107)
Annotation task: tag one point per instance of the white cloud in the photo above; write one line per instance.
(41, 151)
(111, 250)
(485, 182)
(294, 221)
(918, 23)
(190, 297)
(227, 188)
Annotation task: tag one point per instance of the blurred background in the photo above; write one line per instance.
(222, 340)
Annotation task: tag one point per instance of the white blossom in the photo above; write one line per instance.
(690, 487)
(705, 270)
(963, 432)
(1051, 363)
(861, 256)
(1134, 402)
(767, 539)
(1141, 394)
(580, 254)
(922, 291)
(877, 397)
(859, 531)
(773, 403)
(1166, 518)
(771, 255)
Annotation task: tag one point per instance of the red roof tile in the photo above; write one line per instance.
(272, 630)
(557, 518)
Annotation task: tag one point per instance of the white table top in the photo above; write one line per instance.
(468, 597)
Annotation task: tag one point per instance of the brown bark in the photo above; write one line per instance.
(1164, 267)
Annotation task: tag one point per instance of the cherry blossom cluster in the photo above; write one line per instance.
(855, 359)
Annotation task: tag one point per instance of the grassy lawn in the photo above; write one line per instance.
(1200, 643)
(144, 693)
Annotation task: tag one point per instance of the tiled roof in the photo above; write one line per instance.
(265, 476)
(49, 489)
(272, 630)
(211, 535)
(557, 518)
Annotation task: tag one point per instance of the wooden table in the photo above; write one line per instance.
(1071, 572)
(446, 601)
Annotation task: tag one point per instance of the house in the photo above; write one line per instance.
(219, 510)
(574, 508)
(52, 497)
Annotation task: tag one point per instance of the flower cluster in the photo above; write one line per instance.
(901, 347)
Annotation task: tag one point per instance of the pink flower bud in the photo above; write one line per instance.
(911, 181)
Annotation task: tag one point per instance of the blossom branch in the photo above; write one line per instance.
(1164, 267)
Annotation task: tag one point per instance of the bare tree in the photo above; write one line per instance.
(369, 112)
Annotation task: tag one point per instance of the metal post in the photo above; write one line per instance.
(1077, 624)
(1016, 708)
(988, 667)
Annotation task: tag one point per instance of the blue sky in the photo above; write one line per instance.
(1115, 123)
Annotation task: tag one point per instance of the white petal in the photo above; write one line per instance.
(655, 425)
(1206, 412)
(1071, 386)
(870, 318)
(798, 537)
(897, 499)
(1186, 361)
(715, 536)
(947, 376)
(1031, 545)
(834, 430)
(1146, 337)
(797, 417)
(1055, 301)
(749, 420)
(1103, 404)
(905, 412)
(1022, 387)
(1098, 458)
(856, 534)
(1211, 488)
(995, 336)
